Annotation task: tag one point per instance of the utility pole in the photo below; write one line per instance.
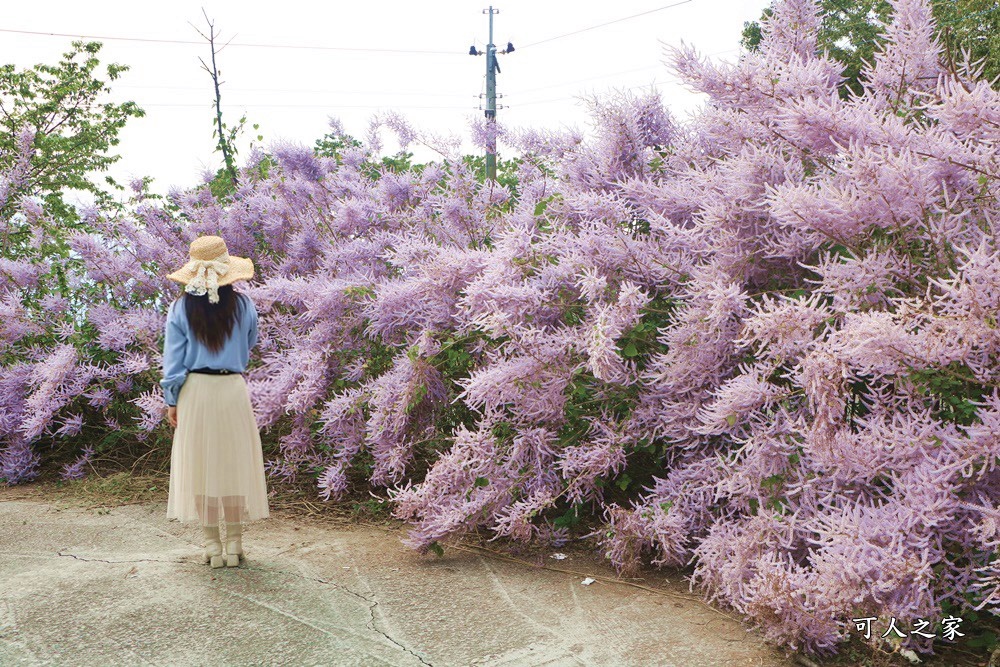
(491, 100)
(492, 69)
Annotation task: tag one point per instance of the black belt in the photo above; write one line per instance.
(213, 371)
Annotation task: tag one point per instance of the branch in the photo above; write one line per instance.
(223, 144)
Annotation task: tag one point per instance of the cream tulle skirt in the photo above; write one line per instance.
(216, 463)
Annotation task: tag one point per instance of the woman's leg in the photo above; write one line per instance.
(233, 506)
(208, 511)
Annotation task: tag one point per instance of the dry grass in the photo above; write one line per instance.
(112, 490)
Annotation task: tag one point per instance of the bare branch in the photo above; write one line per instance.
(227, 43)
(224, 146)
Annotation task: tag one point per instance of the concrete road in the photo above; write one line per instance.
(124, 586)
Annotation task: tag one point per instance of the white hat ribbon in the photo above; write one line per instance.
(206, 278)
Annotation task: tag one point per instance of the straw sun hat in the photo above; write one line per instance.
(211, 266)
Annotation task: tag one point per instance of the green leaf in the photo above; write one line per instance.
(623, 481)
(630, 351)
(436, 549)
(481, 481)
(567, 520)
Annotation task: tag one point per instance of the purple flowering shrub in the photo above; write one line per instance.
(830, 383)
(763, 342)
(79, 331)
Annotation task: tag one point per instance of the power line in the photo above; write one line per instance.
(607, 76)
(590, 78)
(244, 44)
(966, 17)
(298, 90)
(652, 84)
(203, 105)
(409, 93)
(601, 25)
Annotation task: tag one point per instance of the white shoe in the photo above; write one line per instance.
(234, 544)
(213, 546)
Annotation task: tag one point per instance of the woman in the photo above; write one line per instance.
(216, 462)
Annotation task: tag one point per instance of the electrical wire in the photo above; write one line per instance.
(297, 90)
(202, 105)
(966, 17)
(651, 84)
(589, 78)
(244, 44)
(605, 76)
(601, 25)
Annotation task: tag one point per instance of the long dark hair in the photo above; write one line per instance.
(212, 323)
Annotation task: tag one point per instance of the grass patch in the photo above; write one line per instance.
(118, 488)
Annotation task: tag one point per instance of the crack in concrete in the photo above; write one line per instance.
(282, 612)
(120, 562)
(370, 601)
(371, 624)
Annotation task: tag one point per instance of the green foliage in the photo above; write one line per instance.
(981, 630)
(855, 406)
(73, 131)
(455, 362)
(643, 339)
(419, 394)
(74, 128)
(506, 170)
(952, 392)
(223, 186)
(589, 398)
(399, 163)
(225, 136)
(333, 144)
(503, 431)
(569, 519)
(972, 26)
(752, 33)
(852, 33)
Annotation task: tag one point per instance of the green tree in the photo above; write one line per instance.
(852, 32)
(333, 144)
(74, 128)
(973, 26)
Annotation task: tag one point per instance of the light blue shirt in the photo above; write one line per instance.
(183, 352)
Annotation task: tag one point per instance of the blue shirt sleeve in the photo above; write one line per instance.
(175, 342)
(252, 324)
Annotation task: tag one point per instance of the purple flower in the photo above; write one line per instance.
(75, 470)
(18, 463)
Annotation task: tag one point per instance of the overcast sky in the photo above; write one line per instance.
(273, 75)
